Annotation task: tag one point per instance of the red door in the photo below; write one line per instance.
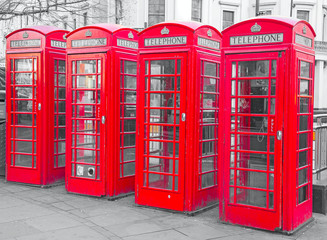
(24, 112)
(253, 140)
(86, 122)
(162, 130)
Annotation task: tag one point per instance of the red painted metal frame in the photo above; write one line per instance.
(288, 214)
(111, 183)
(44, 173)
(187, 195)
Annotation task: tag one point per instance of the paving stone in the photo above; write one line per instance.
(134, 228)
(75, 233)
(52, 222)
(16, 229)
(201, 231)
(164, 235)
(120, 217)
(11, 201)
(62, 206)
(175, 221)
(97, 210)
(22, 212)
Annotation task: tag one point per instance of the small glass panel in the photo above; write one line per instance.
(23, 92)
(253, 68)
(23, 65)
(302, 176)
(130, 67)
(23, 160)
(303, 123)
(251, 197)
(162, 67)
(303, 140)
(304, 69)
(304, 87)
(129, 169)
(252, 124)
(85, 156)
(304, 105)
(23, 78)
(162, 83)
(210, 69)
(303, 159)
(160, 181)
(208, 179)
(273, 68)
(86, 66)
(253, 87)
(253, 105)
(302, 194)
(86, 82)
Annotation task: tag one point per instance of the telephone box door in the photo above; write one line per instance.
(254, 103)
(24, 106)
(162, 136)
(86, 127)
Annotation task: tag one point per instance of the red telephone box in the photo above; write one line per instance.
(266, 179)
(178, 98)
(36, 80)
(101, 110)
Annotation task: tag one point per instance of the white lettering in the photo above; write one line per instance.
(25, 43)
(94, 42)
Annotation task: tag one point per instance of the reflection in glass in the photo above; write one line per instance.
(23, 65)
(162, 83)
(252, 197)
(86, 82)
(24, 92)
(130, 82)
(252, 124)
(62, 66)
(86, 66)
(253, 87)
(23, 106)
(130, 67)
(162, 67)
(23, 160)
(273, 68)
(253, 68)
(23, 78)
(304, 87)
(304, 69)
(210, 69)
(304, 105)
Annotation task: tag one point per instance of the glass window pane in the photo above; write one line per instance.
(302, 159)
(130, 82)
(251, 160)
(23, 160)
(208, 179)
(303, 123)
(304, 87)
(162, 67)
(251, 197)
(86, 82)
(129, 169)
(302, 194)
(23, 65)
(252, 124)
(304, 69)
(130, 67)
(253, 105)
(85, 96)
(85, 156)
(160, 181)
(62, 66)
(23, 92)
(253, 68)
(85, 171)
(273, 68)
(253, 87)
(303, 140)
(129, 154)
(62, 80)
(210, 69)
(302, 176)
(304, 105)
(23, 78)
(86, 66)
(252, 142)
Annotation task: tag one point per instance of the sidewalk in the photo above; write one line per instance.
(30, 213)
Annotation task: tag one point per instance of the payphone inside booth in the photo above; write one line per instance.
(268, 106)
(101, 100)
(178, 108)
(35, 105)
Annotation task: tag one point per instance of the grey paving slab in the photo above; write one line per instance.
(22, 212)
(16, 229)
(135, 228)
(52, 222)
(10, 201)
(46, 199)
(201, 231)
(75, 233)
(15, 188)
(62, 206)
(97, 210)
(84, 202)
(175, 221)
(120, 217)
(161, 235)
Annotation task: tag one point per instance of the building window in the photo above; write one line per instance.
(156, 12)
(265, 12)
(197, 10)
(303, 14)
(85, 18)
(228, 19)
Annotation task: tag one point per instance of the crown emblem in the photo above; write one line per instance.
(88, 33)
(130, 35)
(209, 33)
(65, 36)
(304, 30)
(164, 31)
(256, 28)
(25, 35)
